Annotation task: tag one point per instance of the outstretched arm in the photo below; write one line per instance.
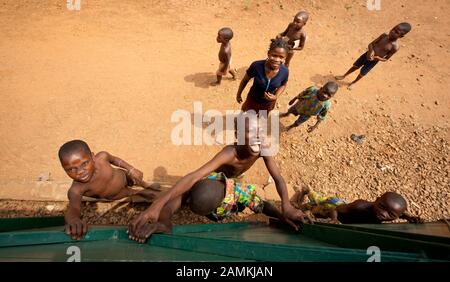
(226, 155)
(290, 213)
(242, 85)
(320, 117)
(297, 97)
(75, 227)
(284, 32)
(293, 100)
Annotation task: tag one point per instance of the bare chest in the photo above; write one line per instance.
(294, 34)
(107, 182)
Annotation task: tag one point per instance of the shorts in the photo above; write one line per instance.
(365, 64)
(301, 118)
(237, 197)
(322, 205)
(251, 104)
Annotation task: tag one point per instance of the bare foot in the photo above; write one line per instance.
(215, 83)
(233, 74)
(339, 77)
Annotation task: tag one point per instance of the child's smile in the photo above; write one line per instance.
(79, 166)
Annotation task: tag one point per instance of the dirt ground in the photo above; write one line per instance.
(113, 73)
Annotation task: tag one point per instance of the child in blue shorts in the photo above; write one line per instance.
(381, 49)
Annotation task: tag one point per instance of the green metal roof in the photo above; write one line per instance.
(222, 242)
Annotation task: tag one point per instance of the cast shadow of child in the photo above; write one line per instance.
(207, 79)
(320, 79)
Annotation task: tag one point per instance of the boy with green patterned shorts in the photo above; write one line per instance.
(311, 102)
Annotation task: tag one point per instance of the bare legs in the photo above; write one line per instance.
(233, 73)
(352, 69)
(288, 59)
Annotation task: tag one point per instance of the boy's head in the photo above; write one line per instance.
(224, 35)
(247, 130)
(399, 31)
(206, 196)
(77, 160)
(389, 206)
(300, 19)
(327, 91)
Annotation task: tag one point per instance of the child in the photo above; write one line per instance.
(215, 197)
(381, 49)
(93, 176)
(389, 206)
(224, 36)
(269, 76)
(312, 102)
(230, 162)
(295, 35)
(218, 197)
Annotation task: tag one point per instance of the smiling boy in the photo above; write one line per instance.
(93, 176)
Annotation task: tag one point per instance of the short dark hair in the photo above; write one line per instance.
(302, 14)
(395, 198)
(72, 147)
(406, 27)
(206, 195)
(279, 43)
(331, 87)
(226, 32)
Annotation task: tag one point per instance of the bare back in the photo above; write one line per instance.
(359, 211)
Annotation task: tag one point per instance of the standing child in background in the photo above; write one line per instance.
(295, 35)
(380, 50)
(312, 102)
(224, 36)
(270, 77)
(93, 176)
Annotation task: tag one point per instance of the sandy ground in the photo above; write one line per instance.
(113, 73)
